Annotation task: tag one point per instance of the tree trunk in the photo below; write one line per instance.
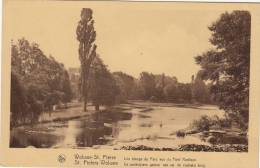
(85, 103)
(84, 87)
(97, 107)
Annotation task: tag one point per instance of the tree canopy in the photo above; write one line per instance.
(228, 64)
(102, 86)
(37, 83)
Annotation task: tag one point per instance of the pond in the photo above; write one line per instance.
(150, 125)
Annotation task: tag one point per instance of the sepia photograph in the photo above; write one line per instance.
(129, 78)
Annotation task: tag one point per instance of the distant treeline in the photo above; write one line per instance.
(161, 88)
(106, 88)
(37, 82)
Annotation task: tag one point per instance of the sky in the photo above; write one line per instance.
(131, 37)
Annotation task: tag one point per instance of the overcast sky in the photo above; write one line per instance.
(131, 37)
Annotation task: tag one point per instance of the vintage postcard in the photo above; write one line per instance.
(130, 84)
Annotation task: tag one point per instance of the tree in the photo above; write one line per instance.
(18, 101)
(160, 85)
(86, 36)
(185, 92)
(66, 88)
(74, 76)
(200, 92)
(228, 64)
(40, 82)
(102, 86)
(58, 84)
(137, 91)
(126, 85)
(147, 81)
(28, 81)
(171, 92)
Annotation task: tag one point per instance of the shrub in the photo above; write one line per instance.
(202, 124)
(205, 123)
(180, 133)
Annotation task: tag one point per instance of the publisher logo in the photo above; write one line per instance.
(61, 158)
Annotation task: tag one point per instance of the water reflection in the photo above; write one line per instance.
(22, 139)
(96, 129)
(134, 126)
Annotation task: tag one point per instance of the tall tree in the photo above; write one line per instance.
(86, 36)
(228, 64)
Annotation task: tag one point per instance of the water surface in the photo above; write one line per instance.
(140, 124)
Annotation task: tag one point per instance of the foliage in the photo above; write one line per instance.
(202, 124)
(205, 123)
(18, 100)
(86, 36)
(180, 133)
(185, 91)
(147, 81)
(102, 86)
(39, 80)
(162, 88)
(126, 84)
(200, 92)
(74, 77)
(227, 66)
(66, 88)
(171, 92)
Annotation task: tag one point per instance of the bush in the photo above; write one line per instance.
(202, 124)
(205, 123)
(180, 133)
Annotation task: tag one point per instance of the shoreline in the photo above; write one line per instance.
(193, 148)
